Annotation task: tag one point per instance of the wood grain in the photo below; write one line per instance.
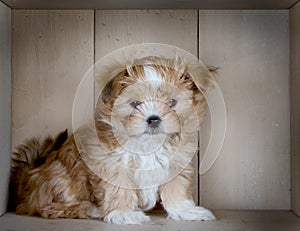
(52, 50)
(295, 107)
(252, 50)
(5, 103)
(116, 29)
(120, 28)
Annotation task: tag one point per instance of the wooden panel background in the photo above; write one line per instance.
(5, 102)
(295, 106)
(52, 49)
(252, 50)
(116, 29)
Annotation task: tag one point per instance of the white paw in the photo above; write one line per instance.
(126, 217)
(187, 210)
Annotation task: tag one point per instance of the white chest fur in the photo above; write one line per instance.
(150, 160)
(152, 168)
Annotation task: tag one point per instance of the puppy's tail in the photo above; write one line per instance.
(28, 156)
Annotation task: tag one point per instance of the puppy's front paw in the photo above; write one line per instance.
(187, 210)
(126, 217)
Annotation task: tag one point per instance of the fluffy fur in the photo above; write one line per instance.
(137, 152)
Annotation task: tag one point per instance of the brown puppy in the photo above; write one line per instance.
(137, 152)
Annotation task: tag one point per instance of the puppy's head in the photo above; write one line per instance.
(152, 97)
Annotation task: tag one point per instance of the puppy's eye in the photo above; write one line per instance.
(172, 102)
(135, 103)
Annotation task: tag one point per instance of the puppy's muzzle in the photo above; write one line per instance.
(154, 121)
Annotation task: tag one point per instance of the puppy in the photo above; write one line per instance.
(138, 151)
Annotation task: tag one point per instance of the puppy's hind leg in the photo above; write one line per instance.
(81, 210)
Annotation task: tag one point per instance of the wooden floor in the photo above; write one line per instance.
(227, 220)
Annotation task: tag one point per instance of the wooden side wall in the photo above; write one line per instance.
(5, 103)
(295, 107)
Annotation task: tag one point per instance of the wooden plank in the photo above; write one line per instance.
(116, 29)
(228, 221)
(154, 4)
(5, 103)
(52, 50)
(120, 28)
(295, 106)
(252, 50)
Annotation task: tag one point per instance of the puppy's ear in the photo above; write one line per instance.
(113, 87)
(213, 70)
(202, 76)
(107, 91)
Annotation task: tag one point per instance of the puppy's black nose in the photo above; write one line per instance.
(153, 121)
